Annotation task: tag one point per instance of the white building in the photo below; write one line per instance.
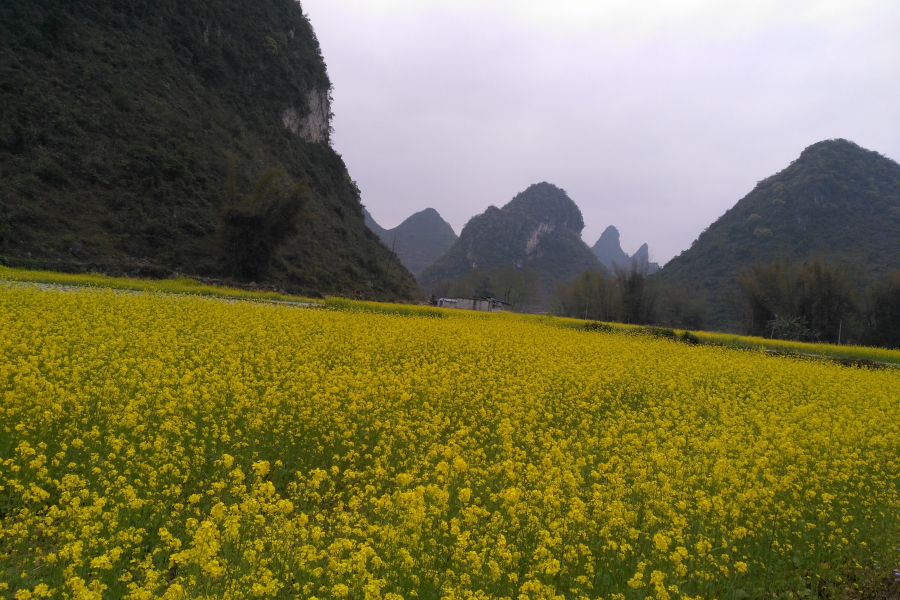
(482, 304)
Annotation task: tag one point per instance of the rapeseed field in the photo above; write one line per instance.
(164, 446)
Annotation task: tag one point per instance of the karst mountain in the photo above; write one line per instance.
(608, 250)
(837, 201)
(539, 229)
(151, 138)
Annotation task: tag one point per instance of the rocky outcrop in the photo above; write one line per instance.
(315, 123)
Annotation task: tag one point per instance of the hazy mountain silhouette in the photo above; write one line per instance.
(540, 229)
(608, 251)
(418, 241)
(837, 200)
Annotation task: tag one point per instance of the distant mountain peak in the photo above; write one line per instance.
(608, 251)
(429, 212)
(547, 203)
(609, 235)
(418, 241)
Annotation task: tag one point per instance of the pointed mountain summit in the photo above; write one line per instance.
(608, 251)
(837, 200)
(418, 241)
(539, 229)
(642, 259)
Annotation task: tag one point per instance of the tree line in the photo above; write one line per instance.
(818, 301)
(812, 301)
(630, 296)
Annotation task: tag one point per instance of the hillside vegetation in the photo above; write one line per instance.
(119, 120)
(837, 201)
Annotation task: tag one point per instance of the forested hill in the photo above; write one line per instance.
(117, 121)
(539, 229)
(837, 200)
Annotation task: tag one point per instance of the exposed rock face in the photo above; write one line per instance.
(539, 229)
(418, 241)
(315, 125)
(608, 251)
(531, 247)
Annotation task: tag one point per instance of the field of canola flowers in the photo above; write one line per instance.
(162, 446)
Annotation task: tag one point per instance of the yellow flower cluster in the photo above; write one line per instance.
(177, 447)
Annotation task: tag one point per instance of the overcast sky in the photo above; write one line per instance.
(655, 116)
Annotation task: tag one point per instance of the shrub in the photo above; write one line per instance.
(597, 326)
(689, 338)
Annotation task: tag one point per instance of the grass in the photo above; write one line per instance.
(745, 342)
(832, 351)
(181, 285)
(186, 285)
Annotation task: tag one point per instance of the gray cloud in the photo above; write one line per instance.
(655, 126)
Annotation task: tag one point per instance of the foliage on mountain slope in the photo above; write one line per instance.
(539, 229)
(117, 122)
(837, 201)
(419, 240)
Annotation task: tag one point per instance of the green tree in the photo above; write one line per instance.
(682, 306)
(883, 311)
(640, 295)
(589, 296)
(252, 227)
(809, 300)
(474, 284)
(826, 298)
(519, 287)
(765, 291)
